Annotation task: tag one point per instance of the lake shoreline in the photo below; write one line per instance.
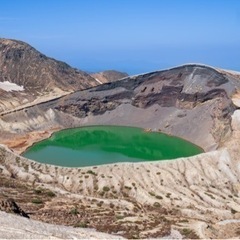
(90, 145)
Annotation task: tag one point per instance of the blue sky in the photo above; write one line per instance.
(127, 35)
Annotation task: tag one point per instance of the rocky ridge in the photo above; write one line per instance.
(41, 78)
(175, 101)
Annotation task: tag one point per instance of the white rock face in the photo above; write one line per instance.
(236, 120)
(15, 227)
(8, 86)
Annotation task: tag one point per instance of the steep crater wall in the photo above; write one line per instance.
(193, 102)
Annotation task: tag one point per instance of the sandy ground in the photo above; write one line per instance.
(21, 143)
(41, 99)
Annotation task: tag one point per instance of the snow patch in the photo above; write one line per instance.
(8, 86)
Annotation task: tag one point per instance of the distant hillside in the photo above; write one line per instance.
(26, 74)
(108, 76)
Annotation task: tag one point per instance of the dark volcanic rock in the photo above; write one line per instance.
(10, 206)
(170, 88)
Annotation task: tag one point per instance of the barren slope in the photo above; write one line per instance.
(108, 76)
(40, 77)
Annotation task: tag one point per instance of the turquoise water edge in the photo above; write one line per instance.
(96, 145)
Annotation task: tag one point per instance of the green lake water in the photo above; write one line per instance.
(96, 145)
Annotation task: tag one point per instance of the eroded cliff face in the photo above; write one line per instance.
(41, 78)
(193, 93)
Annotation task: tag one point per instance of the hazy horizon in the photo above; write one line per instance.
(130, 36)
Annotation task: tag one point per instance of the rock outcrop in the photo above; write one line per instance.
(9, 205)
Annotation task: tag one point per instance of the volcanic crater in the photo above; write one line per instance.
(196, 197)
